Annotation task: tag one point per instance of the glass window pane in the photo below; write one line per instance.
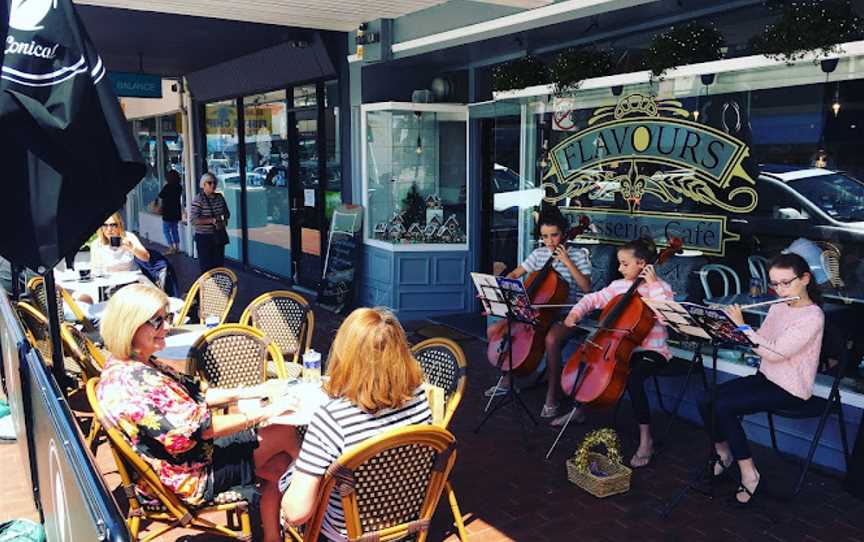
(221, 138)
(267, 182)
(333, 189)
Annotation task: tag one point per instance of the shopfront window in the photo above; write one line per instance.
(221, 140)
(414, 175)
(267, 158)
(160, 140)
(333, 134)
(740, 170)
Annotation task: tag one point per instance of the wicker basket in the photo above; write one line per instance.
(617, 476)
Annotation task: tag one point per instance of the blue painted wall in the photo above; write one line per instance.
(415, 284)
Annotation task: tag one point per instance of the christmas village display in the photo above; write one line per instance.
(421, 220)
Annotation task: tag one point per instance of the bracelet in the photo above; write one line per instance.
(745, 327)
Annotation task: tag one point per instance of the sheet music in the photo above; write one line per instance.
(699, 321)
(490, 294)
(504, 297)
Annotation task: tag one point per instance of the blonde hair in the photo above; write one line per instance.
(370, 363)
(121, 229)
(127, 310)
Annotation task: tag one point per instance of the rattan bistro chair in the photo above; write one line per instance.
(38, 293)
(389, 485)
(36, 329)
(214, 291)
(443, 363)
(287, 319)
(90, 359)
(171, 511)
(234, 355)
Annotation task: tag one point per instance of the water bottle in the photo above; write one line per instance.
(312, 367)
(211, 321)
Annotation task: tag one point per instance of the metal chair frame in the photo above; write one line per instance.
(173, 512)
(758, 267)
(725, 273)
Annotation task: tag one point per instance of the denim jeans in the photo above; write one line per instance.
(172, 234)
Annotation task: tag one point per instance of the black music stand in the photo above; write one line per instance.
(505, 298)
(710, 326)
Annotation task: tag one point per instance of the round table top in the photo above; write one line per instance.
(308, 395)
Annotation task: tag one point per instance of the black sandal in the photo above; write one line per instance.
(753, 494)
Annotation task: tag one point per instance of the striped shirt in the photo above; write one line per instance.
(656, 338)
(336, 427)
(212, 207)
(578, 255)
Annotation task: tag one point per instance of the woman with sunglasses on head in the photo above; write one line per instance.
(209, 216)
(116, 249)
(167, 418)
(789, 342)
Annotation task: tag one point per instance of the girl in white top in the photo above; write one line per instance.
(116, 258)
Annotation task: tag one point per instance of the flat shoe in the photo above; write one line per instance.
(646, 458)
(578, 418)
(549, 411)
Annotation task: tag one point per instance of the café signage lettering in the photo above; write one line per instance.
(645, 146)
(704, 233)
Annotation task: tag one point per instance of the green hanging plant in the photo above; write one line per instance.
(520, 73)
(809, 26)
(574, 65)
(681, 45)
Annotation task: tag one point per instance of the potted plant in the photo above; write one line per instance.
(809, 27)
(574, 65)
(681, 45)
(524, 72)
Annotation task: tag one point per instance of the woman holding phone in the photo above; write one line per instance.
(115, 249)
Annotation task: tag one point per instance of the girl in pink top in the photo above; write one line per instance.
(634, 260)
(789, 342)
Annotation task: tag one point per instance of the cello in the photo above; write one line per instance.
(525, 342)
(597, 372)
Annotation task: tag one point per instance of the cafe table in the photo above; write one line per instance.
(178, 343)
(98, 288)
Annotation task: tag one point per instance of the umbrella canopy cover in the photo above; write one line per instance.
(69, 158)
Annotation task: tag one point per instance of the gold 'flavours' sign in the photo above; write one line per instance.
(644, 146)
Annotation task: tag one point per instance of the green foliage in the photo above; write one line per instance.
(574, 65)
(414, 207)
(681, 45)
(520, 73)
(809, 26)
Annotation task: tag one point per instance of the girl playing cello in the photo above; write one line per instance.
(789, 342)
(573, 266)
(635, 259)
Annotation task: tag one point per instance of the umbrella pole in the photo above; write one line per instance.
(54, 327)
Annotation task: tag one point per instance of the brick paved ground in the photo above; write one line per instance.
(507, 490)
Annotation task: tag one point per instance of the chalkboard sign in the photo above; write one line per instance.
(337, 286)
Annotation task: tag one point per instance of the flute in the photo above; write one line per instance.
(789, 299)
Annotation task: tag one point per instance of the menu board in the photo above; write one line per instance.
(340, 261)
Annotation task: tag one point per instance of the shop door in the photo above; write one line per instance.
(307, 200)
(501, 181)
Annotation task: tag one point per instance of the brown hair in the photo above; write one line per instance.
(370, 363)
(800, 267)
(643, 249)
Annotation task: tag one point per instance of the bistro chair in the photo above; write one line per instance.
(90, 359)
(214, 291)
(36, 329)
(443, 364)
(38, 293)
(389, 485)
(817, 407)
(728, 276)
(287, 319)
(758, 267)
(234, 355)
(831, 263)
(170, 510)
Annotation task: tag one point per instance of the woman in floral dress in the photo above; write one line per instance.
(167, 418)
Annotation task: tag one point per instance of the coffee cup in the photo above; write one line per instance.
(115, 241)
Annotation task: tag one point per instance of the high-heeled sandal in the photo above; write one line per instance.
(723, 468)
(753, 495)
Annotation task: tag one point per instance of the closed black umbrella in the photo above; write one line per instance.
(69, 158)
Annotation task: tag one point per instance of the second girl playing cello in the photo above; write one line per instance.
(635, 260)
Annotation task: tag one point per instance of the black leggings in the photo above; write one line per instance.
(643, 364)
(739, 397)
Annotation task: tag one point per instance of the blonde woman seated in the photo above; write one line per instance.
(374, 386)
(115, 249)
(167, 419)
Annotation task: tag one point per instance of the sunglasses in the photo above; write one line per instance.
(783, 283)
(158, 320)
(209, 182)
(111, 225)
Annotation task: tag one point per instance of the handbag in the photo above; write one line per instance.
(155, 207)
(220, 235)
